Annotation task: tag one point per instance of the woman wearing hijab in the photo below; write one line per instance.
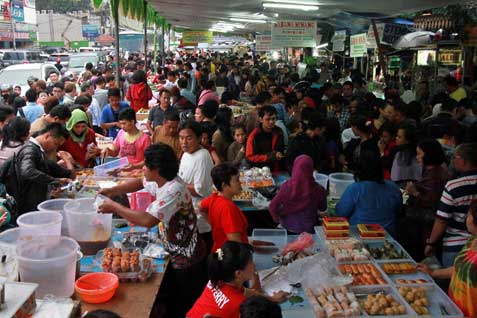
(81, 143)
(297, 203)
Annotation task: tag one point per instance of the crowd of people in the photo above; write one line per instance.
(194, 144)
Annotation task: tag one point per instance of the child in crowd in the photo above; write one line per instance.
(206, 143)
(236, 150)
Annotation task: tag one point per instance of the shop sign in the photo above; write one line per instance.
(338, 46)
(17, 11)
(197, 37)
(4, 10)
(263, 43)
(291, 33)
(339, 36)
(90, 30)
(450, 57)
(371, 39)
(358, 45)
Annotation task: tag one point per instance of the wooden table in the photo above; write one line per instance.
(131, 300)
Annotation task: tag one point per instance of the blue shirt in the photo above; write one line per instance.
(368, 202)
(108, 115)
(189, 95)
(32, 111)
(282, 113)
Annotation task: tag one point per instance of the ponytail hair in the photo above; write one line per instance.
(231, 257)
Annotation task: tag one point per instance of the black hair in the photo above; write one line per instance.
(88, 66)
(16, 129)
(262, 98)
(260, 307)
(100, 80)
(348, 83)
(209, 85)
(31, 95)
(468, 152)
(127, 114)
(315, 120)
(6, 111)
(223, 173)
(361, 123)
(369, 167)
(51, 102)
(162, 91)
(433, 152)
(83, 100)
(172, 116)
(223, 120)
(18, 102)
(266, 110)
(448, 105)
(85, 86)
(209, 108)
(60, 111)
(389, 127)
(192, 125)
(451, 81)
(139, 77)
(182, 83)
(409, 150)
(232, 257)
(56, 130)
(161, 156)
(114, 92)
(239, 126)
(101, 313)
(59, 85)
(473, 211)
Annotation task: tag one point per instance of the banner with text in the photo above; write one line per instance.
(357, 45)
(263, 43)
(291, 33)
(197, 37)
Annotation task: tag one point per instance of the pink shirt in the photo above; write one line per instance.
(206, 95)
(134, 151)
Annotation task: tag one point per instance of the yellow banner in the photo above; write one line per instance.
(197, 37)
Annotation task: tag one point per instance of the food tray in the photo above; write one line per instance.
(381, 263)
(87, 192)
(361, 293)
(86, 172)
(355, 268)
(141, 275)
(106, 169)
(437, 297)
(379, 244)
(241, 198)
(101, 182)
(414, 276)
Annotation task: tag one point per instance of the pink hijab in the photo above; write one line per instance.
(301, 192)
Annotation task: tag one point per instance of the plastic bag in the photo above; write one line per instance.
(304, 240)
(259, 201)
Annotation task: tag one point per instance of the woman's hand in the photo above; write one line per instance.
(425, 269)
(4, 216)
(411, 189)
(279, 297)
(108, 206)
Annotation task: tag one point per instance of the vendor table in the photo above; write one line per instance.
(131, 299)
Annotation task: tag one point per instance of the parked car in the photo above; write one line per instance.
(53, 49)
(18, 74)
(78, 60)
(65, 58)
(10, 57)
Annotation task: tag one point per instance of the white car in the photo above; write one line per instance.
(18, 74)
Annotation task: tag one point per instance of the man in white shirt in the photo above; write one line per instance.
(195, 167)
(171, 80)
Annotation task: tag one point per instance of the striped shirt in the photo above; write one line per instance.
(453, 207)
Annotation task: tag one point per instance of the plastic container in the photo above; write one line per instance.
(56, 205)
(40, 223)
(338, 183)
(104, 169)
(90, 229)
(49, 262)
(97, 288)
(9, 238)
(141, 200)
(321, 179)
(362, 291)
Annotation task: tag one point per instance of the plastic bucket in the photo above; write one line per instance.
(40, 223)
(49, 262)
(338, 183)
(321, 179)
(90, 229)
(56, 205)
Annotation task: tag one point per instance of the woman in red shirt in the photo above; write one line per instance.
(139, 93)
(227, 221)
(81, 143)
(229, 268)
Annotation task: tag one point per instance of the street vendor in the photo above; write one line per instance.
(173, 213)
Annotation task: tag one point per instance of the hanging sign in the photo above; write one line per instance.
(358, 45)
(263, 43)
(197, 37)
(293, 33)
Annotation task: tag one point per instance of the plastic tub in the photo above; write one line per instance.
(104, 169)
(321, 179)
(97, 288)
(40, 223)
(90, 229)
(338, 183)
(56, 205)
(49, 262)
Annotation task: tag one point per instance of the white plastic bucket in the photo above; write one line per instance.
(338, 183)
(321, 179)
(56, 205)
(40, 223)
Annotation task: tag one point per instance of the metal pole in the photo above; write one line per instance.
(145, 36)
(115, 4)
(382, 62)
(14, 38)
(163, 50)
(169, 37)
(154, 55)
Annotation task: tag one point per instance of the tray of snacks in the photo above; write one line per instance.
(136, 173)
(127, 264)
(399, 267)
(258, 178)
(333, 302)
(244, 196)
(99, 182)
(412, 279)
(381, 301)
(347, 250)
(363, 274)
(84, 172)
(429, 300)
(386, 250)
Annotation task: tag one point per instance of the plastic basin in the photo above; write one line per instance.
(90, 229)
(56, 205)
(338, 183)
(321, 179)
(40, 223)
(97, 288)
(49, 261)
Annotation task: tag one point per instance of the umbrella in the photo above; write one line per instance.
(105, 39)
(413, 39)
